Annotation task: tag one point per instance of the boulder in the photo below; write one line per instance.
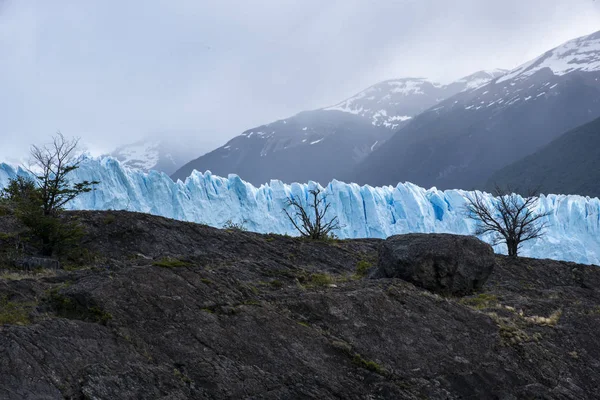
(442, 263)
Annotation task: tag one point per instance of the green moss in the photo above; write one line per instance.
(206, 281)
(481, 301)
(171, 263)
(5, 210)
(321, 279)
(180, 375)
(13, 313)
(7, 236)
(303, 324)
(276, 284)
(362, 268)
(208, 310)
(67, 307)
(358, 360)
(100, 315)
(109, 219)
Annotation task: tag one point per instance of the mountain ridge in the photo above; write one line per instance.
(322, 144)
(461, 141)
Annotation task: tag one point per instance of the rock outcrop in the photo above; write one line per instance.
(161, 309)
(443, 263)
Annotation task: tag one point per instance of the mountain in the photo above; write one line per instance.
(461, 141)
(391, 103)
(324, 144)
(569, 164)
(363, 212)
(164, 155)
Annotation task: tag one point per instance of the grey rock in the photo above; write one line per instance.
(442, 263)
(243, 319)
(31, 263)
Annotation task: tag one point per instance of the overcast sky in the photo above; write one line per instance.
(114, 71)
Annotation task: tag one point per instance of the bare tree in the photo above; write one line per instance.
(312, 223)
(51, 164)
(509, 218)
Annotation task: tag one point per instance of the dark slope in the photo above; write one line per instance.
(244, 317)
(568, 165)
(460, 142)
(313, 145)
(456, 145)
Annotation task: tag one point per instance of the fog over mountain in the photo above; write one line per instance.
(114, 73)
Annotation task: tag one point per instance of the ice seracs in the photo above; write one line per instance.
(363, 211)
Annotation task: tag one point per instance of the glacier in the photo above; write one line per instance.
(363, 211)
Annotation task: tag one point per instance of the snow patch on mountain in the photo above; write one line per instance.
(393, 102)
(581, 54)
(481, 78)
(143, 155)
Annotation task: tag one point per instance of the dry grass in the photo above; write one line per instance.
(14, 275)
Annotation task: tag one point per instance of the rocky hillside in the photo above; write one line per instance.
(161, 309)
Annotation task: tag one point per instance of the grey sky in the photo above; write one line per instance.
(114, 71)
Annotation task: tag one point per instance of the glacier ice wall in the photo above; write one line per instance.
(363, 211)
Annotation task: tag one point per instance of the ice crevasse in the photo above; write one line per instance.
(363, 211)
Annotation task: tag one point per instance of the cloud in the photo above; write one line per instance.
(113, 72)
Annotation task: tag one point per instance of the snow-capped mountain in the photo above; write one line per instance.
(391, 103)
(144, 155)
(164, 155)
(324, 144)
(461, 141)
(581, 54)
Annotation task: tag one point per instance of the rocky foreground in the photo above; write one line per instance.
(161, 309)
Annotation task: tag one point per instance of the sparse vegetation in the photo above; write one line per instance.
(14, 313)
(552, 320)
(362, 268)
(67, 307)
(180, 375)
(481, 301)
(367, 364)
(109, 219)
(171, 263)
(17, 275)
(276, 284)
(321, 279)
(509, 218)
(235, 226)
(312, 224)
(39, 202)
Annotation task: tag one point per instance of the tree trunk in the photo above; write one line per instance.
(513, 247)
